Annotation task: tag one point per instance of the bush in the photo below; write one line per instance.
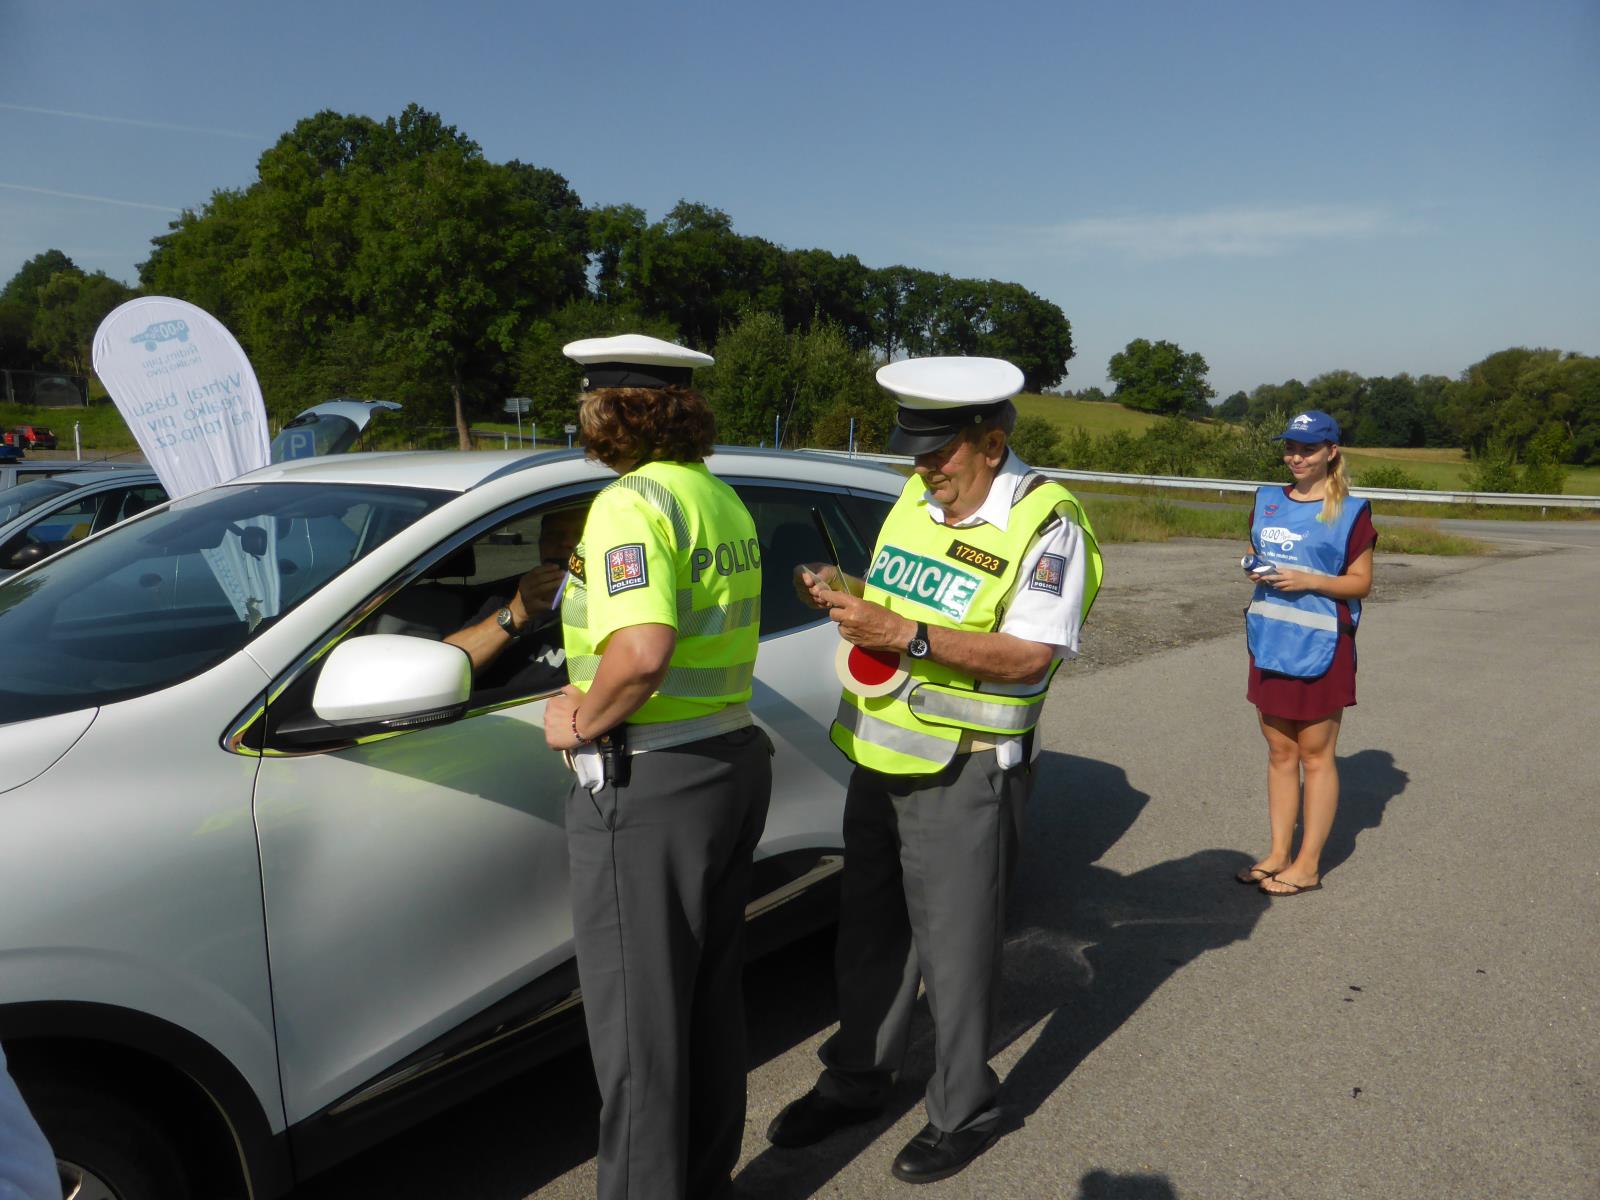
(1386, 475)
(1493, 469)
(1037, 441)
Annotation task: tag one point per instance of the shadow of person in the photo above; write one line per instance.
(1104, 1185)
(1091, 944)
(1088, 946)
(1368, 780)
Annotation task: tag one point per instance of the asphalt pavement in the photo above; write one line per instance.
(1424, 1026)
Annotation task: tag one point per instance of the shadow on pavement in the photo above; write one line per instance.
(1089, 946)
(1368, 780)
(1106, 1185)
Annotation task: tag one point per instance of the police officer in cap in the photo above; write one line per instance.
(660, 619)
(979, 582)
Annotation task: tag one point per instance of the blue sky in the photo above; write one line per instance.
(1286, 188)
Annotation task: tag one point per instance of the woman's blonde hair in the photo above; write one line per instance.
(1336, 489)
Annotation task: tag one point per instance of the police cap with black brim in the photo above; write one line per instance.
(633, 360)
(939, 397)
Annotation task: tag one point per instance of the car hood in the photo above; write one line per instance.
(30, 748)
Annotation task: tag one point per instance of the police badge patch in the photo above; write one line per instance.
(625, 568)
(1050, 574)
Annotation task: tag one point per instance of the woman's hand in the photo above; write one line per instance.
(558, 714)
(1284, 580)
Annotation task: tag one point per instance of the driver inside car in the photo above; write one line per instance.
(515, 642)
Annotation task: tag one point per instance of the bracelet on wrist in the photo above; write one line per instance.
(582, 741)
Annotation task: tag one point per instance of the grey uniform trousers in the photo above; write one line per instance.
(660, 879)
(927, 864)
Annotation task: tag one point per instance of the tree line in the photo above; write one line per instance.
(393, 259)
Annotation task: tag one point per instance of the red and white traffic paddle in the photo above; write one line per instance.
(869, 673)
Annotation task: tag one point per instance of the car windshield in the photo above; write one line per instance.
(15, 501)
(161, 599)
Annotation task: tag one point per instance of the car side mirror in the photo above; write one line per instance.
(381, 683)
(27, 555)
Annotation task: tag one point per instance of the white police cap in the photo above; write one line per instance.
(939, 397)
(634, 360)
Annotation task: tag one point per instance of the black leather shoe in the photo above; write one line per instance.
(934, 1155)
(812, 1118)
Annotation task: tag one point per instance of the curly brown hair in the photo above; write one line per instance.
(638, 425)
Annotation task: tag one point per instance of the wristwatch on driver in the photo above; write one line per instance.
(506, 621)
(917, 647)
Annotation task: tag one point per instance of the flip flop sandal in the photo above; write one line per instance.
(1254, 875)
(1299, 889)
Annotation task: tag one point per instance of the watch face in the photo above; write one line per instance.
(917, 648)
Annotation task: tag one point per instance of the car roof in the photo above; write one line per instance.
(123, 475)
(463, 470)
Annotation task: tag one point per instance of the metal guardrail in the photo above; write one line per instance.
(1417, 496)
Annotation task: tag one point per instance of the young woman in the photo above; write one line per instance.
(1316, 544)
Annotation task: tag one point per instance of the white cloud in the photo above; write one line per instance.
(38, 191)
(103, 119)
(1221, 233)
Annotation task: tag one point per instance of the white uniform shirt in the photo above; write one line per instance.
(1033, 613)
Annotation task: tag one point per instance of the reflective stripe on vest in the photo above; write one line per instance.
(1268, 611)
(927, 571)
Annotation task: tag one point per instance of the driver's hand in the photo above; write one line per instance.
(537, 589)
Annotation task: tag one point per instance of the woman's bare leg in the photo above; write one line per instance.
(1317, 741)
(1283, 788)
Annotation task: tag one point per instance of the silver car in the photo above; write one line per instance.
(277, 876)
(41, 516)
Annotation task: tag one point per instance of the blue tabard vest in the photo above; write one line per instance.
(1296, 634)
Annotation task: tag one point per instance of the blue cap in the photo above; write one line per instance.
(1313, 428)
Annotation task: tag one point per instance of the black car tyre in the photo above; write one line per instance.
(121, 1153)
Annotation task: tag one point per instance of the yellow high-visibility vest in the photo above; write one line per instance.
(670, 544)
(957, 578)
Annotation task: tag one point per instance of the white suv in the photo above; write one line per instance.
(240, 940)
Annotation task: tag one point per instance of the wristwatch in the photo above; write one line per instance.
(506, 621)
(918, 647)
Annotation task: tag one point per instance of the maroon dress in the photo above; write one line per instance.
(1313, 699)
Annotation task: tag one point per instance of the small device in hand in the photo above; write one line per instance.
(1257, 565)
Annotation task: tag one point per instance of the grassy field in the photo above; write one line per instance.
(1097, 418)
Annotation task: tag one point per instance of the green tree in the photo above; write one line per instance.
(1341, 395)
(1284, 399)
(1235, 408)
(1160, 377)
(71, 307)
(1390, 415)
(25, 285)
(750, 387)
(1028, 331)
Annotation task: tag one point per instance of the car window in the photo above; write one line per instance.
(51, 531)
(795, 526)
(867, 515)
(459, 591)
(130, 502)
(160, 600)
(14, 501)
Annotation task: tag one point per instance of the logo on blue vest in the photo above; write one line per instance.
(1276, 535)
